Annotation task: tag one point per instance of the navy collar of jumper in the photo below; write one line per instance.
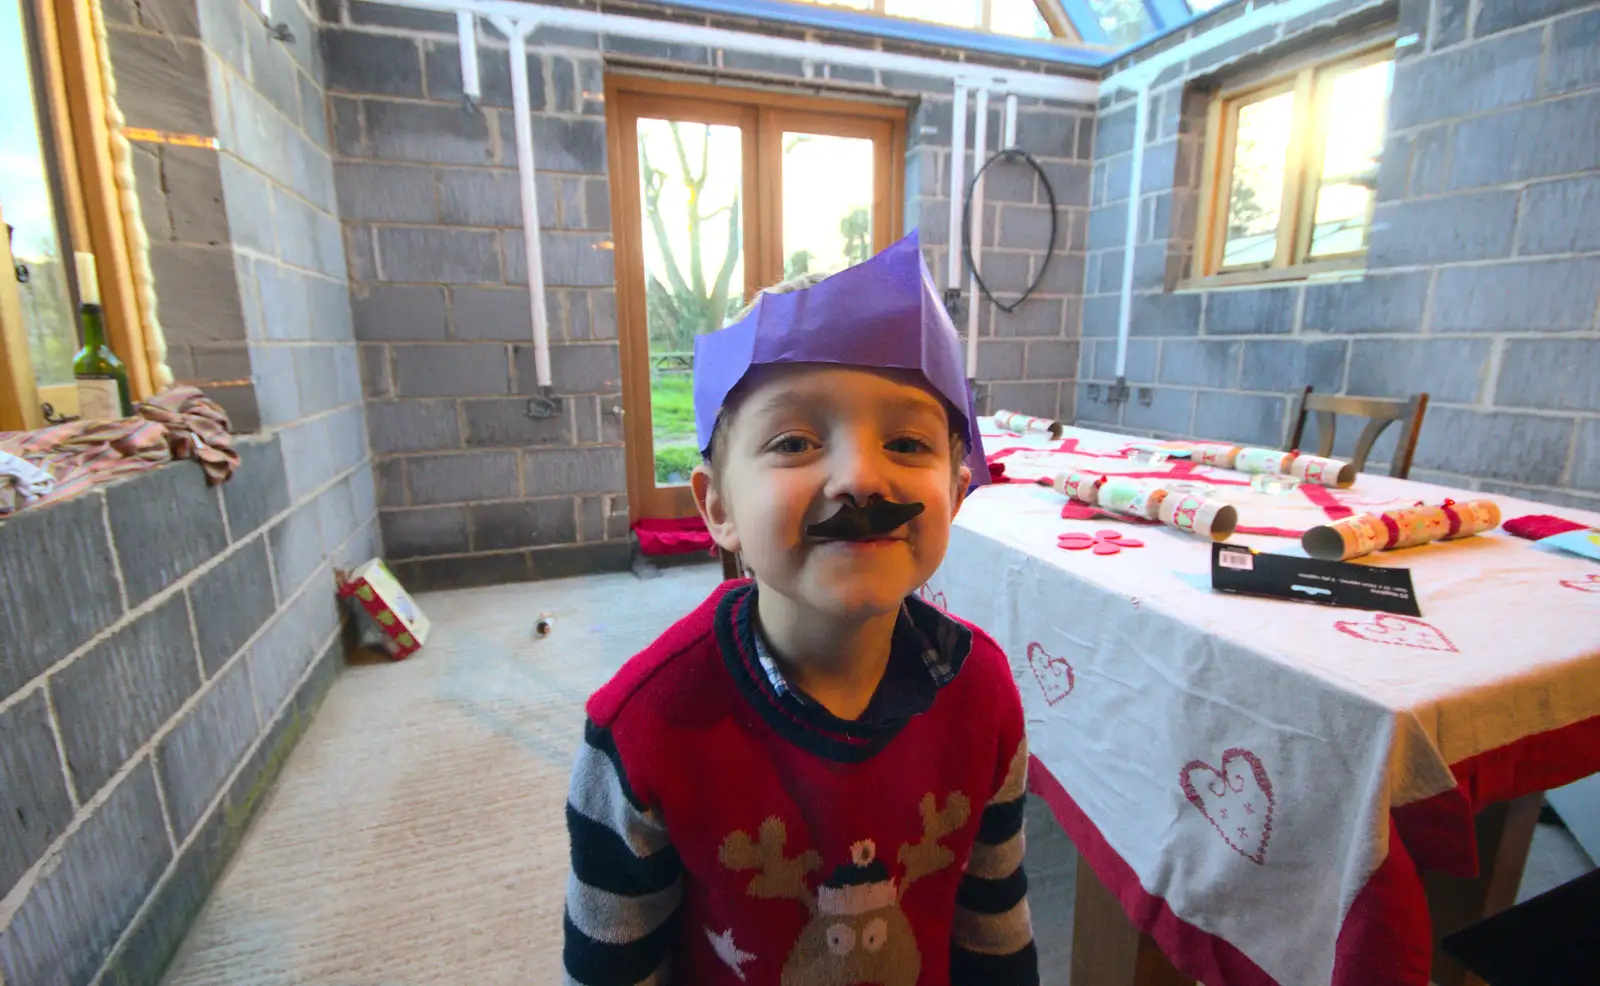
(927, 652)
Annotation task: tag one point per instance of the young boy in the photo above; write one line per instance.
(816, 778)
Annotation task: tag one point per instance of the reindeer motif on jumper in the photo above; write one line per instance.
(857, 932)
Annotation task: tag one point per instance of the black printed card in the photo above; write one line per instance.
(1235, 568)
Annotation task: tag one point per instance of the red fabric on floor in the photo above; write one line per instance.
(672, 536)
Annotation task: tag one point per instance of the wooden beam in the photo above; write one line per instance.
(1107, 950)
(19, 394)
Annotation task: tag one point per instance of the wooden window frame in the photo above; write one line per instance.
(1302, 171)
(763, 115)
(78, 156)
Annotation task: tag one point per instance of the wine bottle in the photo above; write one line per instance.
(102, 379)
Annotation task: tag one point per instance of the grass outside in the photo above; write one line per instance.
(672, 420)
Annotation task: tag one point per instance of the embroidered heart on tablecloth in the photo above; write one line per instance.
(1401, 631)
(1055, 675)
(927, 595)
(1238, 803)
(1589, 583)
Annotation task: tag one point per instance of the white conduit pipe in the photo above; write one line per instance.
(980, 153)
(521, 108)
(1011, 123)
(1141, 118)
(467, 38)
(958, 184)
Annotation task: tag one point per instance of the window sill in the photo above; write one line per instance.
(1329, 271)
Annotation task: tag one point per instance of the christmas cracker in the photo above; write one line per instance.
(1306, 468)
(1022, 423)
(1147, 501)
(1364, 534)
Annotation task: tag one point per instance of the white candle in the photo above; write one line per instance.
(88, 281)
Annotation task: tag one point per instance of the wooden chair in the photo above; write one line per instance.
(732, 564)
(1380, 414)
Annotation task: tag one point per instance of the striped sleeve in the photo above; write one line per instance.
(992, 943)
(626, 881)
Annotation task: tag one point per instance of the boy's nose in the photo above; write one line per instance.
(856, 473)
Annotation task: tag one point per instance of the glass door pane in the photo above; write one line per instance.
(691, 185)
(27, 200)
(1255, 191)
(828, 185)
(1353, 141)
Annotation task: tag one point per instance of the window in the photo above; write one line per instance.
(1017, 18)
(1292, 169)
(58, 196)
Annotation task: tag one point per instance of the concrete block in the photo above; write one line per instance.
(465, 572)
(230, 602)
(1065, 273)
(1251, 312)
(360, 253)
(363, 494)
(1039, 317)
(163, 523)
(277, 393)
(1108, 227)
(371, 63)
(1051, 359)
(376, 380)
(572, 145)
(1521, 448)
(1100, 315)
(65, 928)
(485, 197)
(462, 370)
(347, 126)
(307, 456)
(574, 369)
(1430, 163)
(1477, 226)
(1090, 408)
(1159, 314)
(192, 179)
(1502, 15)
(263, 490)
(296, 543)
(1559, 216)
(433, 134)
(273, 71)
(1027, 227)
(1000, 360)
(463, 478)
(559, 37)
(157, 79)
(557, 472)
(1586, 461)
(1555, 137)
(450, 256)
(428, 531)
(300, 241)
(287, 647)
(1571, 63)
(1171, 410)
(742, 61)
(1450, 24)
(412, 426)
(593, 515)
(347, 437)
(389, 313)
(597, 204)
(569, 202)
(314, 113)
(523, 524)
(285, 302)
(1011, 395)
(1467, 81)
(506, 423)
(152, 196)
(1140, 366)
(1113, 179)
(1550, 374)
(1288, 367)
(1450, 370)
(1069, 180)
(1195, 363)
(443, 65)
(1552, 295)
(1114, 133)
(62, 592)
(386, 15)
(391, 482)
(205, 746)
(1243, 418)
(34, 805)
(199, 295)
(1382, 303)
(490, 313)
(571, 260)
(113, 698)
(384, 193)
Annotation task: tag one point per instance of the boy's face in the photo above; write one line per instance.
(806, 439)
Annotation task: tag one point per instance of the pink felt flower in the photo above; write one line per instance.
(1103, 542)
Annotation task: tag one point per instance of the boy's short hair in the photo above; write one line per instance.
(719, 433)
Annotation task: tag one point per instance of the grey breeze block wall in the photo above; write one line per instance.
(1481, 280)
(471, 489)
(164, 643)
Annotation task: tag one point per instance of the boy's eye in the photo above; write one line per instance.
(791, 445)
(908, 445)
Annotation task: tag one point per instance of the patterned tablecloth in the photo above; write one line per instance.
(1258, 780)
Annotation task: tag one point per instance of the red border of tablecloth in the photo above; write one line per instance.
(1387, 938)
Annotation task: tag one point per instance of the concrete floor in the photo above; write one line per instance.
(417, 833)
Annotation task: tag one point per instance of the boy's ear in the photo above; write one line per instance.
(714, 509)
(963, 484)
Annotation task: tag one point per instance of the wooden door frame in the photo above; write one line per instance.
(761, 113)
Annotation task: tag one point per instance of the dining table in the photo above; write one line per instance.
(1275, 792)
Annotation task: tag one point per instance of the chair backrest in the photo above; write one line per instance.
(1380, 414)
(732, 565)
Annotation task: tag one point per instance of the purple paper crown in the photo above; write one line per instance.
(882, 313)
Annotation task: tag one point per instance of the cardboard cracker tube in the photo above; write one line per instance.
(1012, 421)
(1079, 485)
(1207, 518)
(1262, 460)
(1476, 517)
(1323, 472)
(1344, 539)
(1212, 454)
